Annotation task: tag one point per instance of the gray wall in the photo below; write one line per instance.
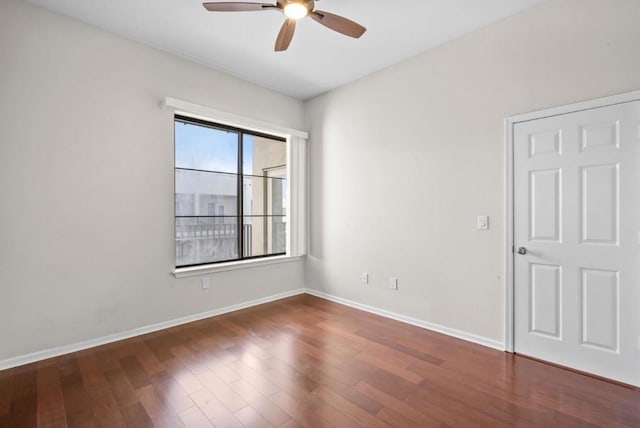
(86, 183)
(404, 160)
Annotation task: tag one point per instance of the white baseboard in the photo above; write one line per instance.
(469, 337)
(79, 346)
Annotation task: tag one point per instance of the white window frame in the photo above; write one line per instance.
(296, 185)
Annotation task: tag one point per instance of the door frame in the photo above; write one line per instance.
(509, 245)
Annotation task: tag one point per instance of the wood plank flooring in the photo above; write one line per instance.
(304, 361)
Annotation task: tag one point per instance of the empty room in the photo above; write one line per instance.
(329, 213)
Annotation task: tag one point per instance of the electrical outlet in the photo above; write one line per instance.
(205, 282)
(365, 278)
(393, 283)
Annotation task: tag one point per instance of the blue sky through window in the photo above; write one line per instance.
(204, 148)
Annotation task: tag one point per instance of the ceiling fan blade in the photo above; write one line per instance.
(236, 6)
(285, 35)
(338, 23)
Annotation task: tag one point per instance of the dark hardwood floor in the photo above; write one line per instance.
(304, 361)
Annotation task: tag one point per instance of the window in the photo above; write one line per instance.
(231, 196)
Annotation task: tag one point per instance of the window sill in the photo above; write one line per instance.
(223, 267)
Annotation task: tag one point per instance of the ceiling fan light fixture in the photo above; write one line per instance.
(295, 10)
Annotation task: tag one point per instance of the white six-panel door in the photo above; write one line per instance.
(577, 225)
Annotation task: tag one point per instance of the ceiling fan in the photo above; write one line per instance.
(294, 10)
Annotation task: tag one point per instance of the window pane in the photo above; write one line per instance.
(264, 196)
(277, 196)
(254, 236)
(206, 240)
(278, 234)
(261, 154)
(206, 193)
(252, 194)
(264, 235)
(204, 148)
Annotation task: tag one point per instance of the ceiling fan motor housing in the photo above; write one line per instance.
(308, 4)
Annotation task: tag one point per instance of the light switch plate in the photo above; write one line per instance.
(483, 222)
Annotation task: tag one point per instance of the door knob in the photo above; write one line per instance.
(522, 250)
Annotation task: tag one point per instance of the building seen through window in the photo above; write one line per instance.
(230, 193)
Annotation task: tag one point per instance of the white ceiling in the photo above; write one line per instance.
(318, 59)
